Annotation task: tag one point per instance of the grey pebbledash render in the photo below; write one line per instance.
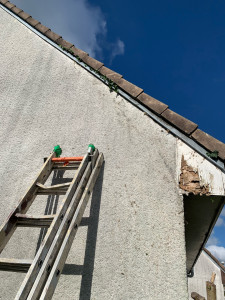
(158, 195)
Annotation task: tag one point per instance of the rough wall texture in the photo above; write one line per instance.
(133, 246)
(202, 273)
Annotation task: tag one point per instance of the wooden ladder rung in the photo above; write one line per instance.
(65, 163)
(52, 192)
(68, 159)
(57, 189)
(53, 187)
(15, 265)
(24, 220)
(70, 166)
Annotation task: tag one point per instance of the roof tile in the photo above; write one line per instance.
(24, 15)
(32, 21)
(64, 43)
(93, 63)
(152, 103)
(41, 28)
(9, 5)
(16, 10)
(79, 52)
(3, 1)
(110, 74)
(52, 35)
(180, 122)
(129, 87)
(209, 142)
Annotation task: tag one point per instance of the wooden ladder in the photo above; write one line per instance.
(44, 271)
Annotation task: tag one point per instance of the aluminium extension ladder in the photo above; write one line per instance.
(44, 271)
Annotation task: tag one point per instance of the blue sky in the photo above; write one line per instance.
(216, 242)
(174, 50)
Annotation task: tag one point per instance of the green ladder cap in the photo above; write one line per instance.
(57, 150)
(92, 146)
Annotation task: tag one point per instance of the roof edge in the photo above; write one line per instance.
(176, 124)
(214, 259)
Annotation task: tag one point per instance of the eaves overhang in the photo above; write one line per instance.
(201, 213)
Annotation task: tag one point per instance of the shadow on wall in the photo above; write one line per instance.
(92, 222)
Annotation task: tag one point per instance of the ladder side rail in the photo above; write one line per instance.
(9, 226)
(46, 243)
(55, 246)
(57, 268)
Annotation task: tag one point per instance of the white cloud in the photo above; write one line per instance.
(212, 241)
(218, 252)
(223, 212)
(220, 222)
(78, 21)
(117, 49)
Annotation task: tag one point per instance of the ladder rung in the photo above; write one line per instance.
(15, 265)
(58, 189)
(74, 165)
(67, 167)
(52, 192)
(67, 159)
(34, 221)
(53, 187)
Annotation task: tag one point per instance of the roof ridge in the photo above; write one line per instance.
(187, 127)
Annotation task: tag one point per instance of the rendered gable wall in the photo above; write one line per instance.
(203, 270)
(136, 247)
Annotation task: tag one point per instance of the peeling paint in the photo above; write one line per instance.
(190, 180)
